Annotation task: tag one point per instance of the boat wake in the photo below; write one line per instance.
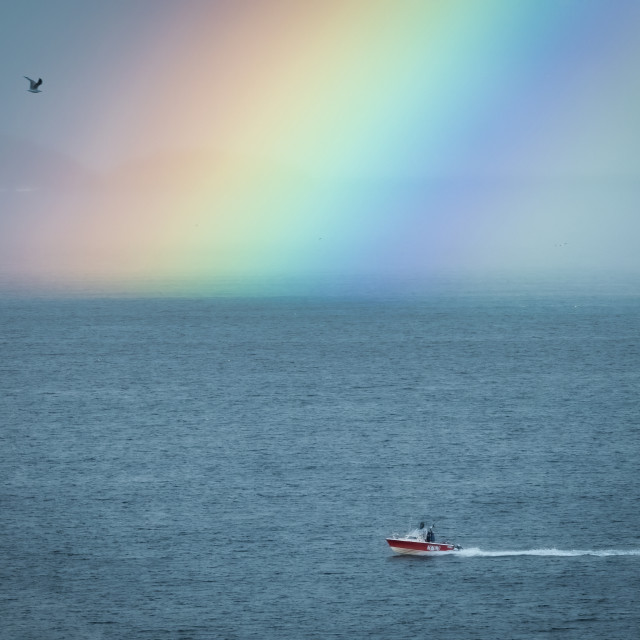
(476, 552)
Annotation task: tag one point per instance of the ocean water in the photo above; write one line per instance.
(230, 468)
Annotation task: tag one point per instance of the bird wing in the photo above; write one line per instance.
(37, 84)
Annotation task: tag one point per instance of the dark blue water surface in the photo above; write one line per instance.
(228, 468)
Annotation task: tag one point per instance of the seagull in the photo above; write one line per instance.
(33, 85)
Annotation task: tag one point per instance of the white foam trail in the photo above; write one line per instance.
(475, 552)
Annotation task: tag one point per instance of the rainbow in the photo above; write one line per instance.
(262, 140)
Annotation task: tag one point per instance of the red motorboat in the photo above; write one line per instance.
(419, 543)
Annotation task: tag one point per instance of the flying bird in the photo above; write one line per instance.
(33, 85)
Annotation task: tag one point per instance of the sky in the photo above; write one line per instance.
(202, 145)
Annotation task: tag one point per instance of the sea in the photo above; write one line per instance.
(230, 467)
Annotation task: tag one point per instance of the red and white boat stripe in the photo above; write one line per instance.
(417, 547)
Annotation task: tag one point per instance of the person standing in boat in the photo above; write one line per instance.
(430, 535)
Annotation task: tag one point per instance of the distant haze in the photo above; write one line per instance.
(178, 146)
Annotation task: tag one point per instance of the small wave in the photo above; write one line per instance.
(601, 553)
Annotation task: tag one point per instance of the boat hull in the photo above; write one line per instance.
(418, 547)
